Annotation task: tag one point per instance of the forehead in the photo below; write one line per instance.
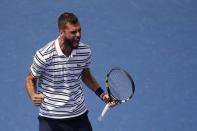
(70, 26)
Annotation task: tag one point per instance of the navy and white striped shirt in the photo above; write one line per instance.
(59, 78)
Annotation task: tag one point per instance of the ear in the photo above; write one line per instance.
(61, 33)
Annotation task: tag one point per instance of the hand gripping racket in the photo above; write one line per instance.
(119, 85)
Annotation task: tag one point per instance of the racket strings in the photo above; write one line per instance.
(115, 92)
(120, 85)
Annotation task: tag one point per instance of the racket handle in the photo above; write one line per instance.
(107, 107)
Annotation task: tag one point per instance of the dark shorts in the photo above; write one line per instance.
(80, 123)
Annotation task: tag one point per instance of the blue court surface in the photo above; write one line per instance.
(155, 40)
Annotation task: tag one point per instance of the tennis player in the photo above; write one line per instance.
(54, 80)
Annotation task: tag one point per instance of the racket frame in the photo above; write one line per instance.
(107, 85)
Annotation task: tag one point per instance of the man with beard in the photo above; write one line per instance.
(53, 82)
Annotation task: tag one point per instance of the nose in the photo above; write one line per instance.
(78, 34)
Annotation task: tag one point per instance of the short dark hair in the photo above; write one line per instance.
(65, 18)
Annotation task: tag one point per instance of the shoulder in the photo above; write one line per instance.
(45, 51)
(47, 48)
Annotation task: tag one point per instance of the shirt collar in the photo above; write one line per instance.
(59, 51)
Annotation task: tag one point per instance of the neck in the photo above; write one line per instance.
(65, 48)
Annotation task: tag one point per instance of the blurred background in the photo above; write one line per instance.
(155, 40)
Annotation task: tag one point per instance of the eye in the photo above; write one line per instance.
(76, 31)
(73, 32)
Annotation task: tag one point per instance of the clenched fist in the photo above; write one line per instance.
(109, 100)
(37, 99)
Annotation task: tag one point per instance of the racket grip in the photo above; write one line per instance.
(107, 107)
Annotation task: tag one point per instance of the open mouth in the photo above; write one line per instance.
(75, 43)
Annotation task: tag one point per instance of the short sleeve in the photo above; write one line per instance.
(88, 60)
(39, 64)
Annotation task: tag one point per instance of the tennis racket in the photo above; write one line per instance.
(120, 86)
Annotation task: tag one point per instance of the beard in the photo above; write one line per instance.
(71, 43)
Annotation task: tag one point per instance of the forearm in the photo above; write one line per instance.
(30, 84)
(90, 81)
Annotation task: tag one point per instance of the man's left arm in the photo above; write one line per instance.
(91, 82)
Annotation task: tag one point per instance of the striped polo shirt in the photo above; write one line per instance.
(59, 79)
